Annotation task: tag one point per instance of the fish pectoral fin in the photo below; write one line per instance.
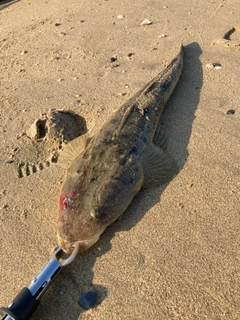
(72, 150)
(160, 139)
(158, 167)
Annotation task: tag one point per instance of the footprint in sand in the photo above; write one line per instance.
(230, 39)
(41, 145)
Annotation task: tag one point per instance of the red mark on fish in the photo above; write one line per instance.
(67, 201)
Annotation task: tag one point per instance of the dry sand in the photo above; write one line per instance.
(175, 252)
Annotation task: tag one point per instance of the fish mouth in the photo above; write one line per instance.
(68, 246)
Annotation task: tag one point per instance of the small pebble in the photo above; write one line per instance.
(57, 24)
(21, 134)
(120, 16)
(10, 161)
(115, 66)
(230, 111)
(146, 22)
(113, 59)
(25, 213)
(163, 35)
(5, 206)
(215, 65)
(87, 300)
(181, 205)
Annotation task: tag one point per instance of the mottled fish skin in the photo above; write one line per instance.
(109, 169)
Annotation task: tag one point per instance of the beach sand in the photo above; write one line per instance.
(174, 254)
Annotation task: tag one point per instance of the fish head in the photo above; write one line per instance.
(75, 225)
(93, 199)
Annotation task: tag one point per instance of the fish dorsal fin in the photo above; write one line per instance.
(158, 167)
(73, 149)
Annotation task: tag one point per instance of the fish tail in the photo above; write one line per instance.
(161, 87)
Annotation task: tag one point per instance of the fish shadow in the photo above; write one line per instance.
(61, 300)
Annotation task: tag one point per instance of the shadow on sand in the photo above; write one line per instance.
(6, 3)
(178, 118)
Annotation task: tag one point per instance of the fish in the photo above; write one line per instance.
(108, 169)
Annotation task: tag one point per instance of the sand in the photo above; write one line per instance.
(175, 252)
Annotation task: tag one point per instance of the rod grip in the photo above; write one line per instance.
(22, 306)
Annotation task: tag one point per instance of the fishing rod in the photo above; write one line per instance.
(28, 299)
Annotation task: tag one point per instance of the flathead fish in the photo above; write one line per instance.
(109, 168)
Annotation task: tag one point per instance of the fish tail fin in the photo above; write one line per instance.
(162, 86)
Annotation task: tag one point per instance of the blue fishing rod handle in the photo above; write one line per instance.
(22, 306)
